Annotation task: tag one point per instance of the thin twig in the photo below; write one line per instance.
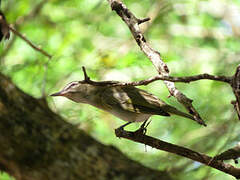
(186, 79)
(86, 77)
(140, 21)
(96, 83)
(20, 21)
(29, 42)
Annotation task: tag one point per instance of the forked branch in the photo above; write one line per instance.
(154, 56)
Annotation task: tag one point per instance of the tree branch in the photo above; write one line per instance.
(30, 43)
(236, 90)
(35, 11)
(154, 56)
(186, 79)
(137, 136)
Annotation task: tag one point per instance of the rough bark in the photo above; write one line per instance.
(36, 143)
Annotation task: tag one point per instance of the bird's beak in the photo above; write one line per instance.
(60, 93)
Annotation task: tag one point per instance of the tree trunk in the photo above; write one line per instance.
(37, 144)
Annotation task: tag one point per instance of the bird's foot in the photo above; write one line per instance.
(119, 130)
(143, 128)
(236, 161)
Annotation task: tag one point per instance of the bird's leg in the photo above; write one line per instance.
(121, 127)
(143, 127)
(144, 123)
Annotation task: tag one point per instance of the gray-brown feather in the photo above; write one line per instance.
(133, 100)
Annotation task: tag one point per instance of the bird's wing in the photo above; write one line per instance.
(132, 99)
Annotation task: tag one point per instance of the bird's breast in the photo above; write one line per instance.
(130, 116)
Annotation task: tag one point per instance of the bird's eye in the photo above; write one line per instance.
(70, 86)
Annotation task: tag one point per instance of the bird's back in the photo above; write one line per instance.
(132, 101)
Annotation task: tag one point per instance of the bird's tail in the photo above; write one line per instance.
(172, 110)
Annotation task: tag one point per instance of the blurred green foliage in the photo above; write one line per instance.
(193, 37)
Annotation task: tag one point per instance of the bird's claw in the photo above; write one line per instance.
(143, 128)
(118, 131)
(119, 128)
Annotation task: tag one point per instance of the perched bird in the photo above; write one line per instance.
(4, 29)
(126, 102)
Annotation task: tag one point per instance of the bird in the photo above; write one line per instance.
(128, 103)
(4, 29)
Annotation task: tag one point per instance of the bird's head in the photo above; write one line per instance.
(77, 91)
